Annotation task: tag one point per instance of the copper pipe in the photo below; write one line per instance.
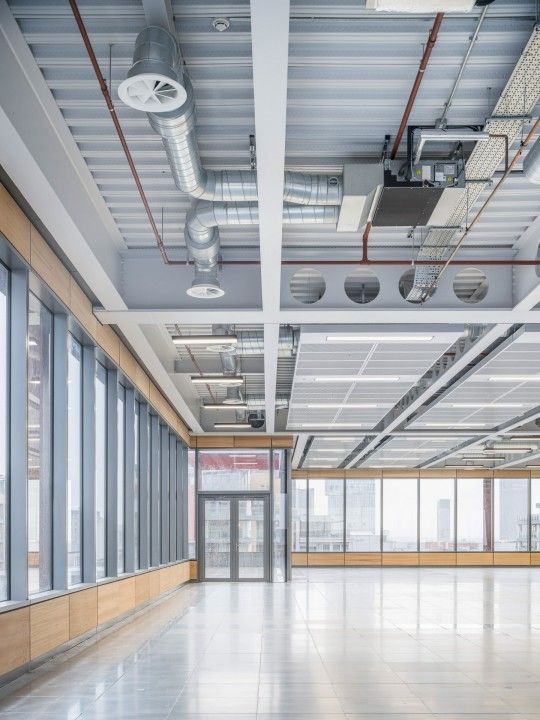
(110, 106)
(532, 132)
(365, 239)
(432, 39)
(356, 263)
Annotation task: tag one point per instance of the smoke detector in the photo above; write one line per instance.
(221, 24)
(153, 80)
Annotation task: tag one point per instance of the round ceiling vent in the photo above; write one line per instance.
(205, 291)
(152, 92)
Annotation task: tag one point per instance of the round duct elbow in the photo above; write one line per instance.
(205, 285)
(154, 81)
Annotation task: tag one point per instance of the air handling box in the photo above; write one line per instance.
(361, 184)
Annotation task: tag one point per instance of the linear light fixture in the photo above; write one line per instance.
(484, 457)
(357, 378)
(511, 448)
(205, 339)
(222, 406)
(232, 426)
(336, 425)
(232, 380)
(336, 406)
(450, 426)
(485, 406)
(514, 378)
(328, 450)
(354, 339)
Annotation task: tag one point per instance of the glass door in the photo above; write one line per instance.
(234, 537)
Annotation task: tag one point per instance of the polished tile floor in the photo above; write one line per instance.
(399, 644)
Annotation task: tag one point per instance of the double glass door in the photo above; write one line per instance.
(234, 537)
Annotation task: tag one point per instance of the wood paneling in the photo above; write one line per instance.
(535, 559)
(215, 441)
(126, 595)
(300, 474)
(107, 602)
(326, 559)
(154, 584)
(400, 558)
(48, 266)
(474, 558)
(193, 570)
(49, 625)
(128, 364)
(284, 441)
(81, 307)
(142, 381)
(363, 559)
(322, 473)
(14, 224)
(363, 473)
(255, 441)
(82, 612)
(299, 559)
(437, 473)
(109, 341)
(399, 472)
(511, 558)
(437, 558)
(142, 589)
(14, 634)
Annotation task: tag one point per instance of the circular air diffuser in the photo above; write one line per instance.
(151, 92)
(205, 291)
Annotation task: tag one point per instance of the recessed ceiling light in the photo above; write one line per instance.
(220, 406)
(485, 406)
(514, 378)
(454, 425)
(357, 378)
(353, 339)
(328, 450)
(322, 406)
(511, 448)
(331, 425)
(232, 380)
(205, 339)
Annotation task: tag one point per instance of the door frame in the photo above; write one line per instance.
(234, 497)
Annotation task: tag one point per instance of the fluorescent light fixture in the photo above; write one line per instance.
(355, 406)
(357, 378)
(205, 340)
(511, 448)
(450, 426)
(233, 380)
(331, 459)
(34, 382)
(484, 406)
(328, 450)
(336, 425)
(232, 426)
(221, 406)
(514, 378)
(354, 339)
(484, 457)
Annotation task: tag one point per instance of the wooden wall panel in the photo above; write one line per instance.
(49, 267)
(128, 364)
(109, 341)
(82, 612)
(193, 570)
(285, 442)
(255, 441)
(535, 559)
(126, 595)
(437, 558)
(14, 632)
(400, 558)
(154, 584)
(14, 224)
(142, 589)
(299, 559)
(363, 473)
(107, 602)
(49, 625)
(326, 559)
(215, 441)
(363, 559)
(511, 558)
(81, 307)
(474, 558)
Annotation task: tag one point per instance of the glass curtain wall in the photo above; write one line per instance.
(511, 514)
(4, 438)
(325, 507)
(473, 514)
(437, 514)
(120, 477)
(40, 335)
(240, 470)
(136, 496)
(299, 516)
(363, 522)
(191, 499)
(400, 514)
(101, 469)
(74, 462)
(535, 514)
(279, 520)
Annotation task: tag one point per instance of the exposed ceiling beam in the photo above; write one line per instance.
(270, 51)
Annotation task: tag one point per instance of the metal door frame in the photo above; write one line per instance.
(234, 498)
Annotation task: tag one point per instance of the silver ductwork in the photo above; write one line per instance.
(251, 342)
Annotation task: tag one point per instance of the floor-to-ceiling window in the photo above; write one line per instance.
(120, 477)
(535, 514)
(511, 514)
(400, 514)
(473, 514)
(101, 469)
(299, 516)
(363, 522)
(326, 515)
(74, 462)
(136, 497)
(437, 514)
(4, 437)
(191, 499)
(39, 447)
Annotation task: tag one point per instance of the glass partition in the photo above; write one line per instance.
(326, 515)
(4, 369)
(39, 514)
(100, 385)
(234, 470)
(120, 477)
(535, 514)
(363, 522)
(192, 506)
(279, 520)
(473, 514)
(400, 514)
(437, 506)
(511, 514)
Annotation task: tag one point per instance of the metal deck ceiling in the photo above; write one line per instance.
(350, 73)
(409, 451)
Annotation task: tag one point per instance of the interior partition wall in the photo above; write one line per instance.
(416, 513)
(94, 482)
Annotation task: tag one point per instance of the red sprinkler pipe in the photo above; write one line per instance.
(432, 39)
